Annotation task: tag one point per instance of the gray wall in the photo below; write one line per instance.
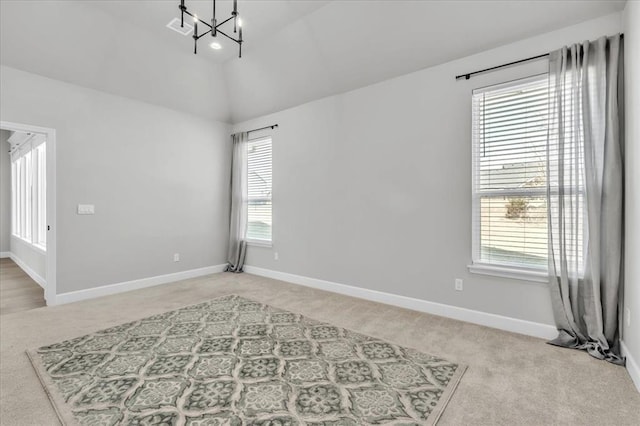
(631, 335)
(158, 179)
(5, 192)
(372, 188)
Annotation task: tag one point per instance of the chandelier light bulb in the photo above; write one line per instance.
(239, 22)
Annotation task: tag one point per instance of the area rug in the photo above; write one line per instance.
(234, 361)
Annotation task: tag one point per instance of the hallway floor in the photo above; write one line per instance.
(18, 292)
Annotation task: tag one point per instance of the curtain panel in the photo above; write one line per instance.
(238, 213)
(585, 194)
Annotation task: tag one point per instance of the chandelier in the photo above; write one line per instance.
(214, 26)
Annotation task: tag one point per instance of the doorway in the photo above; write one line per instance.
(31, 231)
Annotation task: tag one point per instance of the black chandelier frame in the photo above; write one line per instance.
(214, 26)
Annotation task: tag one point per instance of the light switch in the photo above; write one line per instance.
(86, 209)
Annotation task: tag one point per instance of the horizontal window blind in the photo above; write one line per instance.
(510, 126)
(259, 169)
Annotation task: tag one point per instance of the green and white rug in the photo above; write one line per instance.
(234, 361)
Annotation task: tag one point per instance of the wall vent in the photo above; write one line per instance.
(175, 26)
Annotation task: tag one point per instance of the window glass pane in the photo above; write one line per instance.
(510, 127)
(19, 197)
(42, 195)
(14, 216)
(259, 179)
(513, 231)
(28, 196)
(23, 197)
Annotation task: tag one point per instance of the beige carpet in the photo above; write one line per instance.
(511, 379)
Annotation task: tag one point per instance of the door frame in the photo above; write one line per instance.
(50, 134)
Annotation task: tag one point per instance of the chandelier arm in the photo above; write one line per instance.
(203, 34)
(224, 22)
(228, 36)
(199, 20)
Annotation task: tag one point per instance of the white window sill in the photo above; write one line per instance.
(260, 243)
(507, 272)
(35, 247)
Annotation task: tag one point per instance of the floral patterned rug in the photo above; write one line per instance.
(234, 361)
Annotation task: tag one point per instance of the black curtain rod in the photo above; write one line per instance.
(468, 75)
(273, 126)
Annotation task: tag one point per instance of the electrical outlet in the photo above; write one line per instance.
(458, 284)
(276, 256)
(176, 257)
(627, 317)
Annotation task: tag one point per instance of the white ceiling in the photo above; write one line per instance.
(295, 51)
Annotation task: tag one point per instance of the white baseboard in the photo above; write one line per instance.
(5, 254)
(543, 331)
(33, 274)
(632, 366)
(90, 293)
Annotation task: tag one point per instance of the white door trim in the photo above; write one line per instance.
(50, 287)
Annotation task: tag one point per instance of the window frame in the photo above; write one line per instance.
(258, 242)
(28, 162)
(478, 266)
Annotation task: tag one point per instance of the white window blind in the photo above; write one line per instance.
(28, 191)
(510, 124)
(259, 205)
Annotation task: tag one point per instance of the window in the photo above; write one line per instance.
(510, 124)
(28, 191)
(259, 190)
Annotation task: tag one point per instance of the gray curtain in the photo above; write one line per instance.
(238, 216)
(585, 194)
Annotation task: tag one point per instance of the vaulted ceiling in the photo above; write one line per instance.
(295, 51)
